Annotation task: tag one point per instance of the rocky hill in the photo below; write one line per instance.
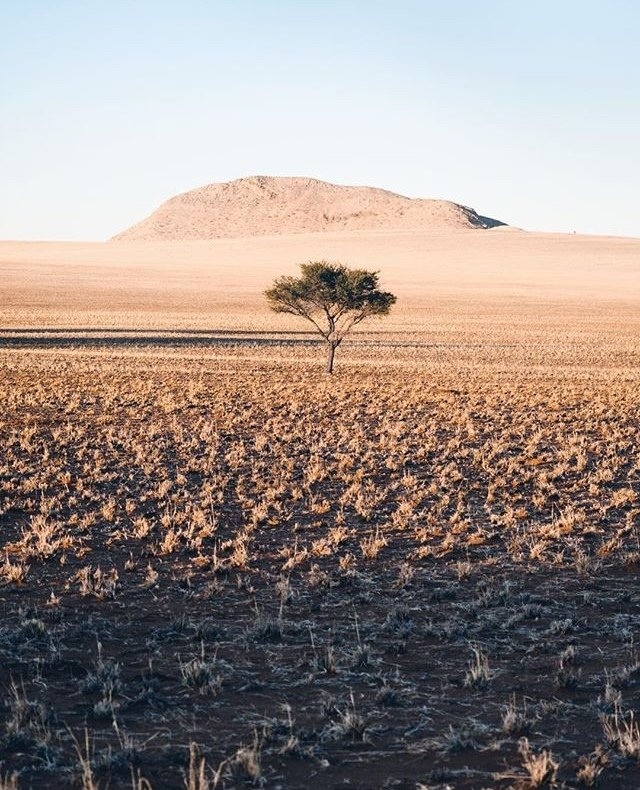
(265, 205)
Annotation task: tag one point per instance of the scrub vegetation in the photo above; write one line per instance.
(219, 569)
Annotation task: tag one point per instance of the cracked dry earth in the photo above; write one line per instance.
(235, 574)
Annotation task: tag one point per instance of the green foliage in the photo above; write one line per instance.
(330, 295)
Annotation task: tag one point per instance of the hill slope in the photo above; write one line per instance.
(265, 205)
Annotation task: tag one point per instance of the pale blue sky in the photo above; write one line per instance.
(529, 112)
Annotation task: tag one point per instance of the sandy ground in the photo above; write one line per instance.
(498, 275)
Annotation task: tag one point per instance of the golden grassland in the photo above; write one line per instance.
(220, 568)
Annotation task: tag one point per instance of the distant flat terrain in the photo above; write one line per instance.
(495, 297)
(218, 283)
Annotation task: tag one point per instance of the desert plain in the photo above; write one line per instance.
(222, 568)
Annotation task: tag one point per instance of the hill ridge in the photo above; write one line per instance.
(263, 205)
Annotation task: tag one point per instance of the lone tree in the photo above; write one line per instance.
(333, 297)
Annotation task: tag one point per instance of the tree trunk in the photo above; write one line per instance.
(331, 351)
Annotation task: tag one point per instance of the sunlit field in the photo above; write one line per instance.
(221, 568)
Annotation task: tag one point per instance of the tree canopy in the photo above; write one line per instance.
(333, 297)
